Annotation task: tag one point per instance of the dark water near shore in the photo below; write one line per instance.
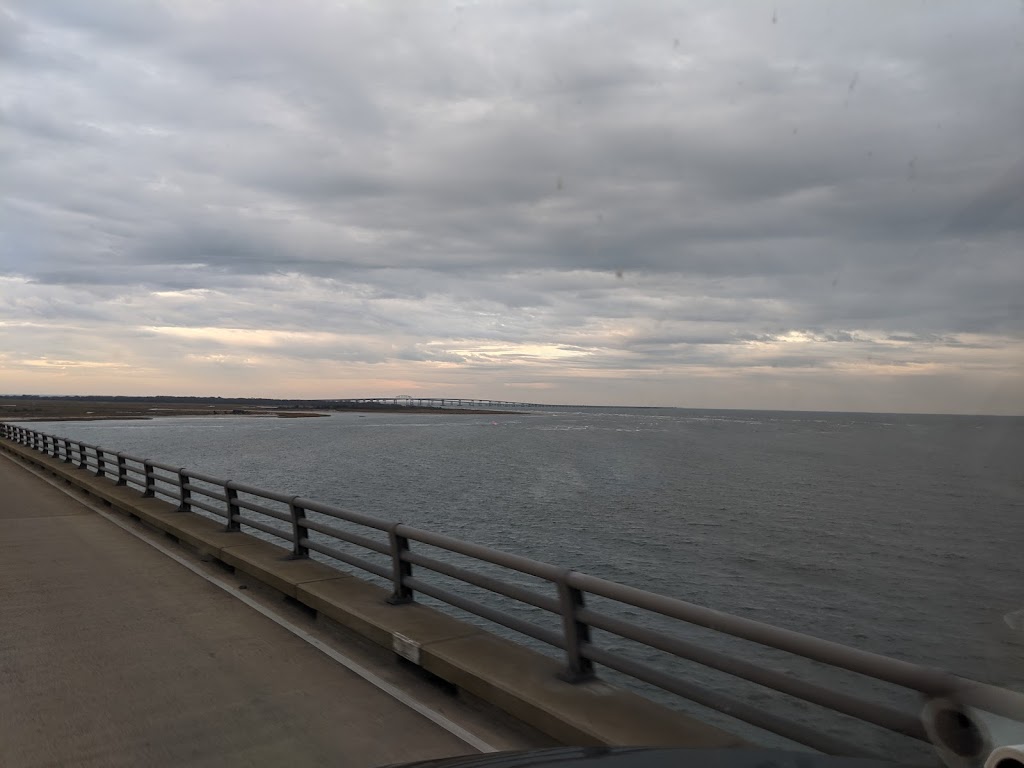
(897, 534)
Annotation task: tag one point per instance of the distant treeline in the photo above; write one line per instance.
(219, 401)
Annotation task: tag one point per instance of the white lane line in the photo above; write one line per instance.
(396, 693)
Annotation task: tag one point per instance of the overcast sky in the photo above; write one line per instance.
(792, 205)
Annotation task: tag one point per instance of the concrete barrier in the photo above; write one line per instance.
(518, 680)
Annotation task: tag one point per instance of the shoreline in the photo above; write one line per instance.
(72, 409)
(405, 411)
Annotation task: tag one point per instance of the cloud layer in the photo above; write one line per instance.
(795, 205)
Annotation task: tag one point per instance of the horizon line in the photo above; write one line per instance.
(544, 405)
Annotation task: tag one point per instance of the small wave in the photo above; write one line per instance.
(1015, 620)
(391, 426)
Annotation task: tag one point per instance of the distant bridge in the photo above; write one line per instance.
(440, 402)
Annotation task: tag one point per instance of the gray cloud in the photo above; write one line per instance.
(484, 197)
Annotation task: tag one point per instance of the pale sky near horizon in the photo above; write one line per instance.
(797, 205)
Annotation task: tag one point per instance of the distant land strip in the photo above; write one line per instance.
(102, 407)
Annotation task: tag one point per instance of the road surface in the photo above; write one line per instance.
(111, 653)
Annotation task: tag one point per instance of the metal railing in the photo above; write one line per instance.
(404, 568)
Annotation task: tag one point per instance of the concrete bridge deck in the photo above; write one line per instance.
(112, 653)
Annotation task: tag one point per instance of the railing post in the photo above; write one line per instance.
(184, 505)
(579, 668)
(82, 457)
(101, 465)
(400, 569)
(298, 514)
(150, 484)
(67, 451)
(54, 447)
(233, 509)
(122, 469)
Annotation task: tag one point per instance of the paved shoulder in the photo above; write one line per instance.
(113, 654)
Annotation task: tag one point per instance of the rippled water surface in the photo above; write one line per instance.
(897, 534)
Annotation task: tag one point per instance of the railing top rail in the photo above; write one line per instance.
(202, 477)
(923, 679)
(497, 557)
(343, 514)
(284, 498)
(927, 680)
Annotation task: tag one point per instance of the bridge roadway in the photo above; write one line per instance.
(112, 653)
